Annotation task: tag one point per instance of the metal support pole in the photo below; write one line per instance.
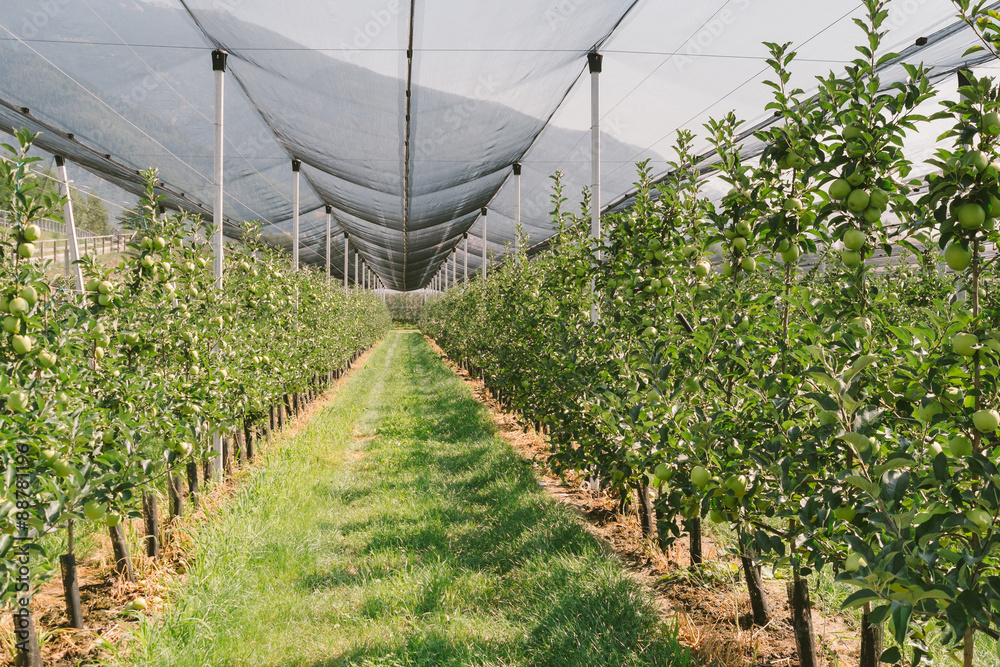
(347, 243)
(219, 67)
(484, 242)
(355, 268)
(595, 61)
(74, 249)
(296, 165)
(329, 246)
(465, 260)
(517, 207)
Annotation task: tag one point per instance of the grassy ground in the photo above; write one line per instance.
(396, 529)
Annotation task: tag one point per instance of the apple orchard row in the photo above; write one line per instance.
(118, 392)
(747, 361)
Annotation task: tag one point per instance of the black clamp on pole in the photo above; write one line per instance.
(595, 60)
(296, 163)
(517, 168)
(219, 60)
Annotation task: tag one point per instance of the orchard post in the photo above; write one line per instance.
(296, 165)
(74, 248)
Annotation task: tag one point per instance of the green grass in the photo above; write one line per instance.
(397, 529)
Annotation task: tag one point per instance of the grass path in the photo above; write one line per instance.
(397, 529)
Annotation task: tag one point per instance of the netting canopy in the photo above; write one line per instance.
(408, 115)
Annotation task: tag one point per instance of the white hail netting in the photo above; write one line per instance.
(491, 84)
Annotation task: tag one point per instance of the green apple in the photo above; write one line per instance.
(138, 604)
(871, 215)
(986, 421)
(845, 513)
(738, 485)
(29, 294)
(702, 268)
(851, 132)
(21, 344)
(795, 161)
(991, 123)
(978, 160)
(960, 446)
(662, 472)
(26, 250)
(879, 199)
(11, 324)
(858, 200)
(47, 359)
(854, 562)
(112, 520)
(856, 149)
(62, 468)
(935, 448)
(855, 178)
(971, 216)
(105, 299)
(784, 245)
(926, 413)
(851, 258)
(716, 516)
(700, 477)
(18, 306)
(159, 243)
(739, 244)
(31, 233)
(727, 270)
(840, 189)
(17, 400)
(957, 257)
(743, 228)
(94, 510)
(748, 264)
(854, 239)
(965, 344)
(648, 332)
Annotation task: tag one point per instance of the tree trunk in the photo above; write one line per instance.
(123, 562)
(28, 653)
(969, 653)
(227, 455)
(871, 641)
(281, 414)
(755, 587)
(151, 517)
(71, 591)
(802, 624)
(176, 485)
(642, 505)
(70, 582)
(248, 435)
(272, 420)
(694, 533)
(239, 440)
(192, 478)
(208, 469)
